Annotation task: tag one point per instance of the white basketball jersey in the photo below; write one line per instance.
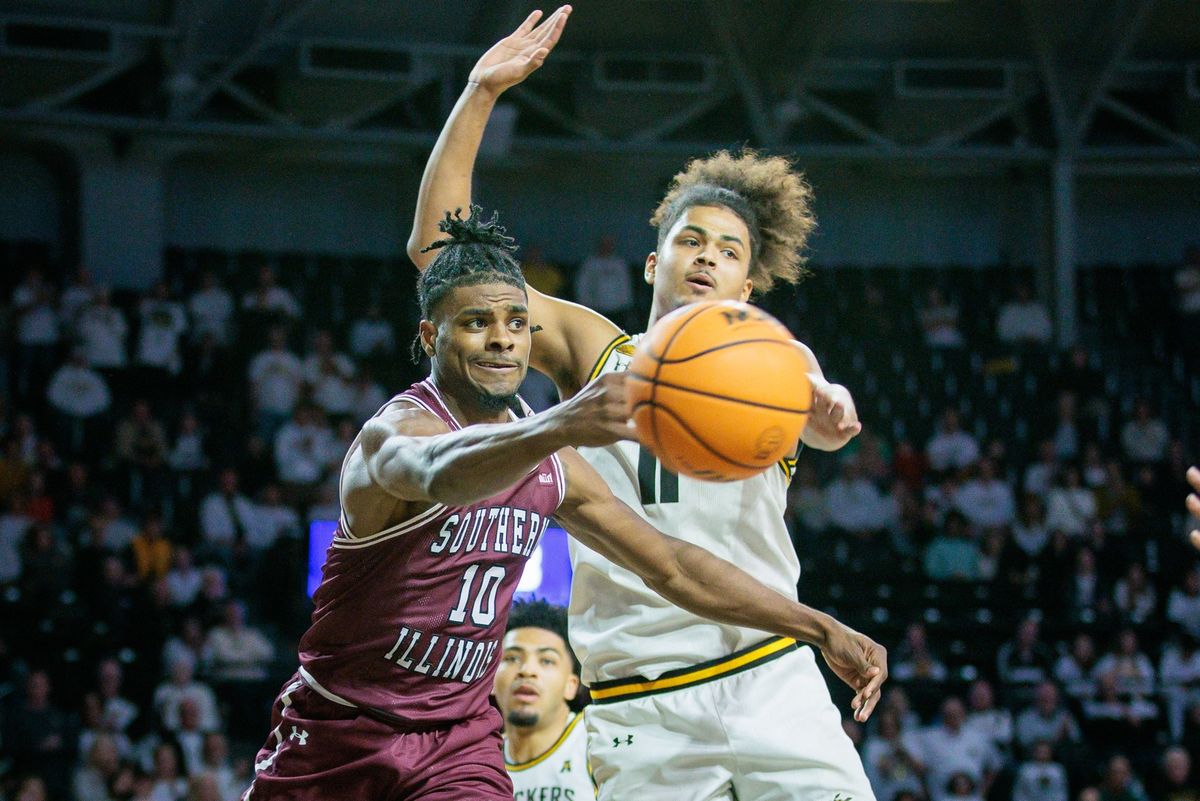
(561, 773)
(619, 627)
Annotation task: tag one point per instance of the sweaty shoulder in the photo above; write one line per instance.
(568, 340)
(365, 506)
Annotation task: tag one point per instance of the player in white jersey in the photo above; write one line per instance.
(545, 743)
(686, 708)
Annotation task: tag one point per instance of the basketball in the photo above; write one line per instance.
(719, 391)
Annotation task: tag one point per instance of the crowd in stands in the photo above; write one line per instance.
(162, 453)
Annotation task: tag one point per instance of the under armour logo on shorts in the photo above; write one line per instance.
(302, 736)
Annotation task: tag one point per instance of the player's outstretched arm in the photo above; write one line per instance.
(413, 456)
(570, 337)
(833, 421)
(709, 586)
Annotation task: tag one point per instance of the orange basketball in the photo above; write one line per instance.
(718, 390)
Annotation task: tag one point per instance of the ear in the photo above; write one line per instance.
(747, 290)
(428, 334)
(571, 688)
(651, 267)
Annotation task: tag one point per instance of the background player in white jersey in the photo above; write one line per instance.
(686, 708)
(545, 747)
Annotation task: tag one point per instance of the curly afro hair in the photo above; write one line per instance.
(767, 192)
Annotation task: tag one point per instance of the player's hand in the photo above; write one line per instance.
(515, 57)
(598, 414)
(861, 663)
(1193, 501)
(833, 420)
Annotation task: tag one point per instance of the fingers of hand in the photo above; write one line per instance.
(526, 26)
(1196, 539)
(1193, 477)
(1193, 504)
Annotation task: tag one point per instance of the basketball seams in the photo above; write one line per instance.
(718, 396)
(658, 368)
(691, 433)
(715, 348)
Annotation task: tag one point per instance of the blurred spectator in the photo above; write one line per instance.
(169, 783)
(80, 395)
(1024, 320)
(77, 295)
(939, 321)
(119, 711)
(367, 397)
(985, 500)
(189, 735)
(1024, 661)
(216, 765)
(184, 578)
(1029, 532)
(164, 323)
(323, 359)
(276, 377)
(951, 448)
(270, 299)
(33, 788)
(241, 657)
(950, 748)
(141, 446)
(1118, 503)
(953, 555)
(1046, 720)
(273, 519)
(119, 530)
(301, 450)
(985, 718)
(187, 454)
(102, 330)
(1179, 672)
(37, 335)
(909, 465)
(1076, 669)
(961, 787)
(1134, 596)
(182, 686)
(855, 504)
(604, 283)
(14, 525)
(37, 733)
(542, 274)
(225, 514)
(1145, 437)
(45, 568)
(914, 661)
(190, 645)
(1175, 782)
(1120, 784)
(1183, 605)
(151, 550)
(1087, 598)
(1126, 663)
(371, 336)
(92, 778)
(211, 307)
(1070, 505)
(1114, 721)
(1040, 778)
(1066, 434)
(893, 758)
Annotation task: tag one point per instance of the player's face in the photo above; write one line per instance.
(480, 343)
(536, 676)
(705, 256)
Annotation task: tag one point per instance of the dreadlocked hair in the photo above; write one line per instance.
(770, 196)
(541, 614)
(475, 251)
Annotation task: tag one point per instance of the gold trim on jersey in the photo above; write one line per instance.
(513, 767)
(624, 689)
(616, 343)
(788, 465)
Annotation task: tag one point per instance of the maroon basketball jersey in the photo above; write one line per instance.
(408, 621)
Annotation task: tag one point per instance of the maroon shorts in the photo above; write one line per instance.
(323, 750)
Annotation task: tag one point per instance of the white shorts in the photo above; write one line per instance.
(768, 733)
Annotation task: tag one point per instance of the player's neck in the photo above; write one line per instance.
(467, 413)
(530, 742)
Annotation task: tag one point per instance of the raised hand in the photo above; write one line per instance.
(834, 420)
(515, 57)
(861, 663)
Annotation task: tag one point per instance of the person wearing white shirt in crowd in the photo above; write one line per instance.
(76, 297)
(1183, 604)
(985, 500)
(1145, 438)
(119, 530)
(1134, 595)
(1179, 673)
(276, 378)
(324, 357)
(301, 447)
(914, 661)
(1046, 720)
(163, 324)
(951, 748)
(332, 390)
(187, 453)
(1070, 506)
(240, 651)
(37, 333)
(1029, 532)
(275, 519)
(211, 308)
(939, 320)
(372, 335)
(14, 525)
(102, 329)
(893, 758)
(215, 765)
(182, 685)
(270, 298)
(1041, 778)
(855, 504)
(183, 579)
(1075, 670)
(1024, 320)
(603, 283)
(1067, 436)
(987, 719)
(226, 515)
(119, 711)
(1039, 475)
(1130, 667)
(951, 448)
(190, 643)
(79, 394)
(368, 396)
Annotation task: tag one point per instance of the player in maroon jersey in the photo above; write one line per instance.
(445, 494)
